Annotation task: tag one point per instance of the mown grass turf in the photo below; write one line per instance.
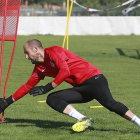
(116, 56)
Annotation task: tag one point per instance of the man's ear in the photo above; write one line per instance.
(35, 49)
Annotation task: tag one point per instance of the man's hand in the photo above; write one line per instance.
(3, 105)
(39, 90)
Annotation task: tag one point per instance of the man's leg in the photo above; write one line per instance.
(71, 111)
(132, 117)
(60, 101)
(104, 96)
(128, 115)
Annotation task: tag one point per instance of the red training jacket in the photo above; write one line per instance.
(61, 64)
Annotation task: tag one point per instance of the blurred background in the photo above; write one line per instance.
(58, 8)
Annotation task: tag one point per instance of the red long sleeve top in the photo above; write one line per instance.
(62, 65)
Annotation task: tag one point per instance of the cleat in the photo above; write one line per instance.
(82, 124)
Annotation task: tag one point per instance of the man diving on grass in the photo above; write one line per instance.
(88, 83)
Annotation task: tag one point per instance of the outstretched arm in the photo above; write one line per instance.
(23, 90)
(59, 58)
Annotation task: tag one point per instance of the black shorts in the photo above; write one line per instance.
(95, 87)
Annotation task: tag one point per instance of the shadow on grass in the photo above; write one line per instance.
(115, 130)
(38, 123)
(108, 130)
(123, 53)
(55, 124)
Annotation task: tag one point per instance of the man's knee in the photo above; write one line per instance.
(51, 100)
(116, 107)
(56, 102)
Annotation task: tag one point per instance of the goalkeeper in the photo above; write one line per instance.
(88, 83)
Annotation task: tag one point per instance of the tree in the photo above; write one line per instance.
(30, 2)
(48, 2)
(87, 3)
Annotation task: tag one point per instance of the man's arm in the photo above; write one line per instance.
(60, 59)
(23, 90)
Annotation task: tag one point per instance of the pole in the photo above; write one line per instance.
(67, 28)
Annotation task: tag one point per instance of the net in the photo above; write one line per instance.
(9, 13)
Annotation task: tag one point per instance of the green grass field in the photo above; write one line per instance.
(118, 57)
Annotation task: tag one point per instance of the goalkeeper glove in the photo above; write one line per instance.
(39, 90)
(3, 105)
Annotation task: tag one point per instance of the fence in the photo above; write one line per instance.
(75, 12)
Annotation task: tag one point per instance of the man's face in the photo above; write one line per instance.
(31, 54)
